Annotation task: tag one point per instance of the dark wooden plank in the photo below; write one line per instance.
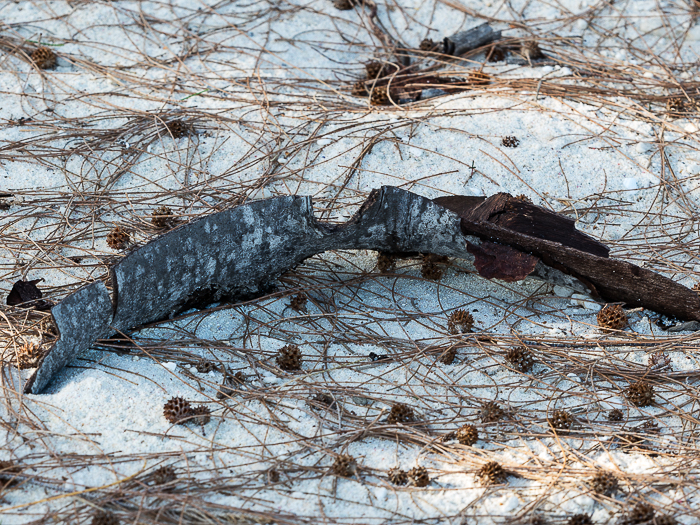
(611, 279)
(522, 216)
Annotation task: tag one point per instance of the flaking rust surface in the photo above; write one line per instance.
(239, 253)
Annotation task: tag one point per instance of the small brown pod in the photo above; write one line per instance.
(418, 477)
(343, 466)
(118, 238)
(492, 473)
(605, 483)
(640, 394)
(397, 476)
(467, 435)
(612, 317)
(177, 410)
(289, 358)
(400, 413)
(44, 57)
(460, 322)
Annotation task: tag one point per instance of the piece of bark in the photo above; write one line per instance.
(464, 41)
(498, 261)
(26, 294)
(688, 326)
(612, 280)
(524, 217)
(233, 254)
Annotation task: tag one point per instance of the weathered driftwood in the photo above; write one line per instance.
(464, 41)
(81, 318)
(236, 254)
(530, 229)
(239, 253)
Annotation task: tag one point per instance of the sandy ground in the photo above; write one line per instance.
(607, 134)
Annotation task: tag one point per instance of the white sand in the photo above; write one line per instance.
(102, 421)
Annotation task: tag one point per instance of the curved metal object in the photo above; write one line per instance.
(239, 253)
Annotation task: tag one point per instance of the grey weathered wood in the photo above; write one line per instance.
(233, 254)
(464, 41)
(237, 254)
(81, 318)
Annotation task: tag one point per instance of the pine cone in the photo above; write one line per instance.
(359, 89)
(375, 69)
(28, 355)
(520, 358)
(298, 302)
(467, 435)
(177, 411)
(343, 466)
(162, 217)
(460, 322)
(612, 317)
(448, 356)
(289, 358)
(681, 106)
(491, 412)
(616, 415)
(640, 394)
(163, 475)
(397, 476)
(104, 518)
(492, 473)
(431, 267)
(178, 128)
(400, 413)
(379, 96)
(385, 262)
(117, 239)
(427, 44)
(561, 420)
(641, 513)
(418, 476)
(579, 519)
(202, 415)
(43, 57)
(531, 50)
(510, 142)
(696, 287)
(605, 483)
